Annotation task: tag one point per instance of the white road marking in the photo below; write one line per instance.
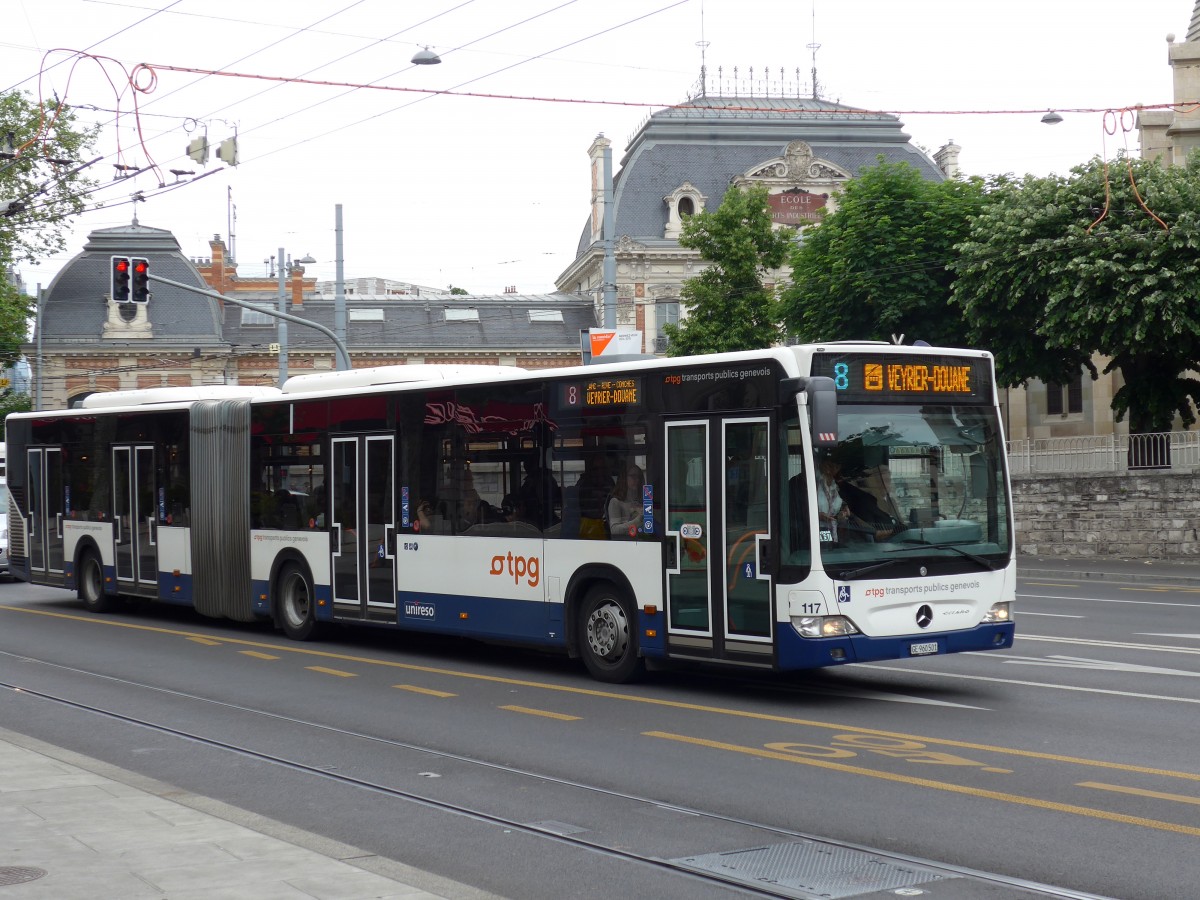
(1079, 662)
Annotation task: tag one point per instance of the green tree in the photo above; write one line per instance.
(39, 192)
(457, 291)
(11, 402)
(1103, 262)
(877, 266)
(727, 305)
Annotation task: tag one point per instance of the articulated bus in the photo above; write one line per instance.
(782, 509)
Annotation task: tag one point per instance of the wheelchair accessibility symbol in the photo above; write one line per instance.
(843, 593)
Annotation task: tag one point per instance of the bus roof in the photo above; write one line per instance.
(384, 375)
(175, 395)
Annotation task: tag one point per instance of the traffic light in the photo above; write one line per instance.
(120, 279)
(141, 280)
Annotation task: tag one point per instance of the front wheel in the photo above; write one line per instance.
(297, 605)
(608, 637)
(90, 580)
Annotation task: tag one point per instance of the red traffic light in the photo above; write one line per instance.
(141, 280)
(120, 279)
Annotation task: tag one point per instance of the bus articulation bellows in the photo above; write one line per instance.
(782, 509)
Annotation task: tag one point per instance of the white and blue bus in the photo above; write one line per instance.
(782, 509)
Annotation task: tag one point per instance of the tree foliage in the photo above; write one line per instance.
(728, 307)
(1104, 262)
(39, 193)
(878, 265)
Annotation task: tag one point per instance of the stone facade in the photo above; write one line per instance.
(1133, 516)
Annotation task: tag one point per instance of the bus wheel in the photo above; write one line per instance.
(89, 575)
(297, 606)
(607, 639)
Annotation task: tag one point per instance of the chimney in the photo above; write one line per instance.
(297, 273)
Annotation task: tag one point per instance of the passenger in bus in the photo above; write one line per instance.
(470, 504)
(593, 489)
(428, 521)
(624, 511)
(831, 508)
(540, 495)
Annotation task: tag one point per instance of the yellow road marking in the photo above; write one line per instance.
(423, 690)
(929, 783)
(207, 642)
(1138, 792)
(258, 655)
(338, 672)
(546, 714)
(1049, 584)
(305, 650)
(1160, 590)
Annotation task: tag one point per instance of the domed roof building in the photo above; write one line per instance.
(682, 160)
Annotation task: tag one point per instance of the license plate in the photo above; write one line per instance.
(923, 649)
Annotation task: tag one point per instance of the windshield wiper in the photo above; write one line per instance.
(863, 570)
(920, 545)
(914, 545)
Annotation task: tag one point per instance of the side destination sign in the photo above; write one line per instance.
(882, 377)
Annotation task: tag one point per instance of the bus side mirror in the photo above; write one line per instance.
(822, 410)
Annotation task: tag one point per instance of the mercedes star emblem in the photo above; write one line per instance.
(924, 615)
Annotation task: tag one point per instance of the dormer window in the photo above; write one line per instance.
(686, 200)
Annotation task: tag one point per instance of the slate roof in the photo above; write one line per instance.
(75, 308)
(710, 140)
(419, 323)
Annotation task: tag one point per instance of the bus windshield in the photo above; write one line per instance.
(911, 482)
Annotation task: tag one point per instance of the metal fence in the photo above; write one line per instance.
(1176, 451)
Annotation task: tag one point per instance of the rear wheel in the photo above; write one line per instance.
(297, 605)
(89, 576)
(608, 637)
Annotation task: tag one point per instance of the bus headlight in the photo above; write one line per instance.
(998, 613)
(824, 626)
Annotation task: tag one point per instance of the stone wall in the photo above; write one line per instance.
(1155, 515)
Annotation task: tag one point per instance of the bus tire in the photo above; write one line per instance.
(297, 605)
(89, 575)
(608, 636)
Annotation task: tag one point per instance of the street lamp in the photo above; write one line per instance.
(284, 271)
(1051, 118)
(425, 57)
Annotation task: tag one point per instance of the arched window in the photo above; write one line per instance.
(687, 207)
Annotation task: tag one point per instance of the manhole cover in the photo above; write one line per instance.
(19, 874)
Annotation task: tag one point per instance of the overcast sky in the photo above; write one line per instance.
(484, 192)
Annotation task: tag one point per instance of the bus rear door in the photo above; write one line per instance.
(46, 507)
(134, 518)
(717, 510)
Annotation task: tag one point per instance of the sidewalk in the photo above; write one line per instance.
(1177, 573)
(74, 828)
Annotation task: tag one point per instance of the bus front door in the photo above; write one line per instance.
(46, 507)
(364, 527)
(717, 508)
(134, 518)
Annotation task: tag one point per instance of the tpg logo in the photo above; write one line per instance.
(518, 567)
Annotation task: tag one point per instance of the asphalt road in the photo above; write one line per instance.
(1069, 761)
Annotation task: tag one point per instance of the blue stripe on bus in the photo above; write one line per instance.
(485, 617)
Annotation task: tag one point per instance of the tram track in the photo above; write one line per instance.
(545, 831)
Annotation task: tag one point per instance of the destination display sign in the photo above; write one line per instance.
(883, 377)
(601, 393)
